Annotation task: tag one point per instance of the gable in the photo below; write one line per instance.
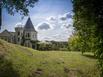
(5, 33)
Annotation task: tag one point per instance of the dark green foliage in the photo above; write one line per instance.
(84, 24)
(52, 45)
(20, 6)
(44, 46)
(34, 44)
(88, 21)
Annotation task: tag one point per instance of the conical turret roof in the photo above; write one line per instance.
(29, 26)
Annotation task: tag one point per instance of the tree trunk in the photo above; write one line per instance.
(0, 16)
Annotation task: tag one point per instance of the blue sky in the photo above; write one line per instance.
(51, 18)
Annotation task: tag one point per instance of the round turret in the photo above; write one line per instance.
(19, 27)
(19, 33)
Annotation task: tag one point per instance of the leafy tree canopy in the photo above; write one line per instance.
(13, 6)
(88, 21)
(20, 6)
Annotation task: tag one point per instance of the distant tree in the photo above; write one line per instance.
(13, 6)
(74, 43)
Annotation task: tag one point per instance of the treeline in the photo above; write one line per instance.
(52, 45)
(88, 24)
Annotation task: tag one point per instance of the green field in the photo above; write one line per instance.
(18, 61)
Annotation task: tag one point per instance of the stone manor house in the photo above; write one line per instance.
(26, 36)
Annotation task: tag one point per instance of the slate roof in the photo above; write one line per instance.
(29, 26)
(5, 33)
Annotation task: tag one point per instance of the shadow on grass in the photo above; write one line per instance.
(6, 69)
(89, 56)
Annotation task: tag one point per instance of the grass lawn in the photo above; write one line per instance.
(18, 61)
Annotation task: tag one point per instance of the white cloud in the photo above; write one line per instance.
(69, 15)
(51, 18)
(44, 26)
(66, 16)
(67, 24)
(53, 28)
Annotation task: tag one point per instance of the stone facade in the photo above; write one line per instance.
(25, 36)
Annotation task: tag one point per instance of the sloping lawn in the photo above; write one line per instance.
(18, 61)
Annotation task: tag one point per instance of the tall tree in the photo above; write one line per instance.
(88, 20)
(12, 6)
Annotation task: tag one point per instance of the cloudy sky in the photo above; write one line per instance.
(51, 18)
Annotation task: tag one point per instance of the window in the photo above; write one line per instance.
(18, 39)
(33, 36)
(18, 33)
(28, 35)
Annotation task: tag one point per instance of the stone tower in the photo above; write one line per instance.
(30, 34)
(19, 34)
